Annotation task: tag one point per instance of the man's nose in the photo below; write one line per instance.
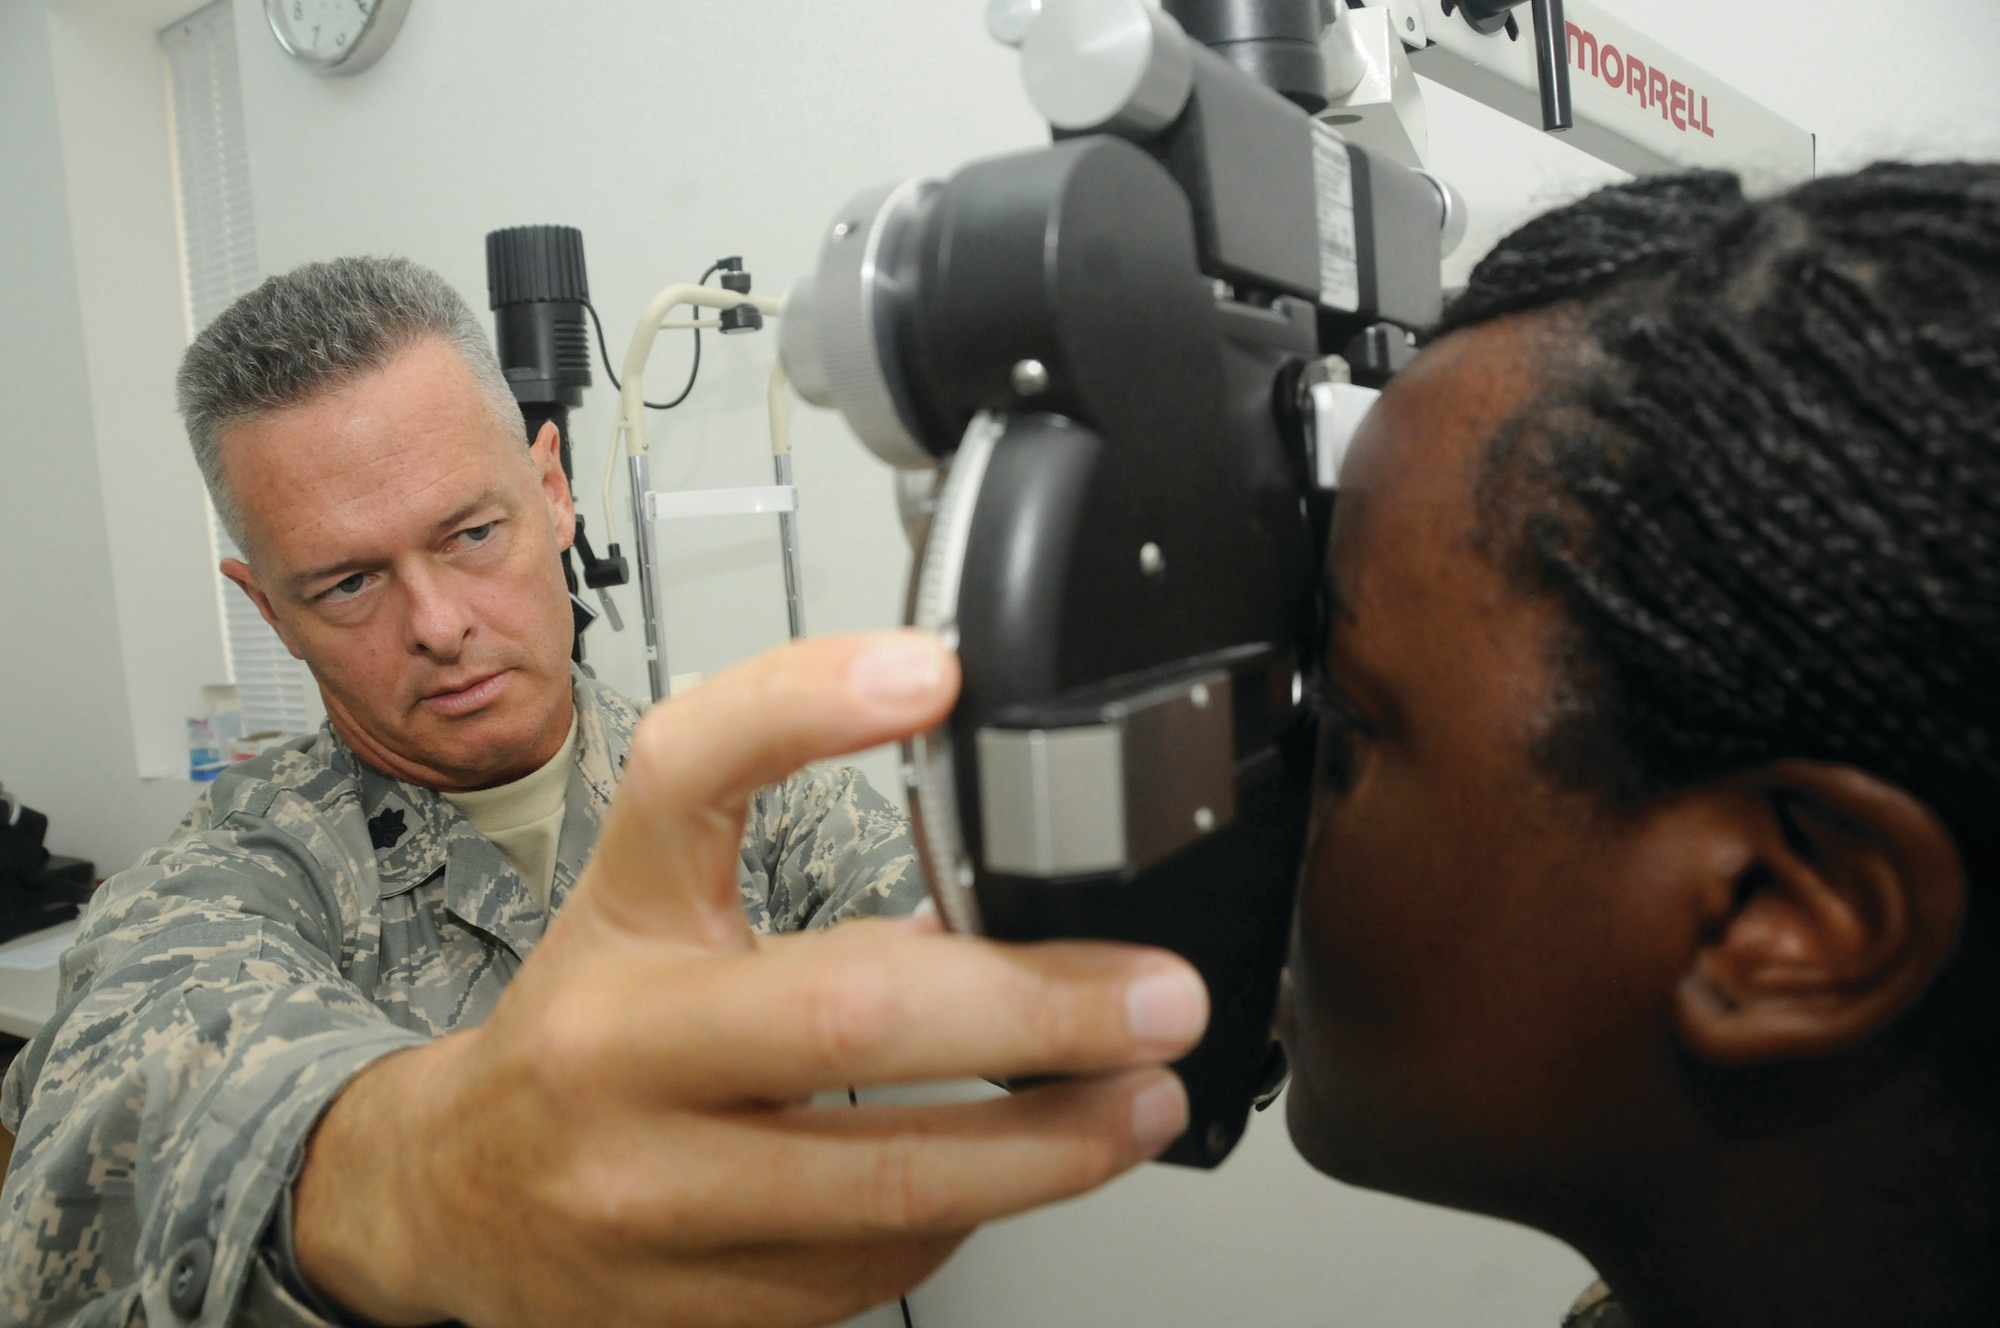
(439, 618)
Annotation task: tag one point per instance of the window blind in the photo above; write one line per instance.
(219, 263)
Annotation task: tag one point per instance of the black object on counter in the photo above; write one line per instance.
(37, 888)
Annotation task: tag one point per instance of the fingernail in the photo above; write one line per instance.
(1168, 1007)
(905, 668)
(1159, 1113)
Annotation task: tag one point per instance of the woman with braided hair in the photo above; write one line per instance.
(1652, 899)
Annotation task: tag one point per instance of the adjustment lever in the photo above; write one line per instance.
(1551, 48)
(600, 574)
(1552, 64)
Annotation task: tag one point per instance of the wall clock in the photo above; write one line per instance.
(336, 36)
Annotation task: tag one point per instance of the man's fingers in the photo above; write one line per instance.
(805, 1176)
(665, 864)
(887, 1003)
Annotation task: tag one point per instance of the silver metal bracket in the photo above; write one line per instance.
(1156, 773)
(1335, 408)
(1375, 100)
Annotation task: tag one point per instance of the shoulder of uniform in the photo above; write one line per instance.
(806, 801)
(277, 835)
(251, 788)
(824, 781)
(617, 709)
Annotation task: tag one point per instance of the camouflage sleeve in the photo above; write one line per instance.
(823, 847)
(202, 1027)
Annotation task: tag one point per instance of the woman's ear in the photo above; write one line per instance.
(1849, 906)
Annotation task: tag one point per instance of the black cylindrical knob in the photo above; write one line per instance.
(530, 263)
(537, 287)
(1276, 42)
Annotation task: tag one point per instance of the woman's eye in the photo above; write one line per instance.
(1340, 730)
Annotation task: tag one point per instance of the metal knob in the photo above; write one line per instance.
(1456, 216)
(834, 342)
(1007, 21)
(1117, 66)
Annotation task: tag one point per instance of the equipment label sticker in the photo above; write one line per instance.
(1333, 176)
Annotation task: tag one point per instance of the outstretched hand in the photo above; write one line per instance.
(629, 1139)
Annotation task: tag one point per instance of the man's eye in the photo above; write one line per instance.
(343, 589)
(476, 534)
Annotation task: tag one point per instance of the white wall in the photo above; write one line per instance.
(1263, 1241)
(674, 131)
(66, 695)
(671, 134)
(118, 175)
(1869, 80)
(1911, 80)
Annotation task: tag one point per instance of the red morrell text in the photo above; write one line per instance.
(1678, 104)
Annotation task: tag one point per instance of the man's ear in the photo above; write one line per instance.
(1848, 904)
(547, 455)
(246, 580)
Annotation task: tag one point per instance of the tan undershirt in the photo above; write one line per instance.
(525, 817)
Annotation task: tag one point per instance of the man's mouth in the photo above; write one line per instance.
(467, 697)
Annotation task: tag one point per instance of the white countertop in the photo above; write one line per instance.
(28, 978)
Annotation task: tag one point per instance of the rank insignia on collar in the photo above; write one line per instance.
(385, 828)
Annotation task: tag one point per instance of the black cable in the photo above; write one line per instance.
(854, 1100)
(694, 369)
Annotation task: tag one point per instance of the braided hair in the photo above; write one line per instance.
(1767, 490)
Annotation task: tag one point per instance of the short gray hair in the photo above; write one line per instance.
(310, 331)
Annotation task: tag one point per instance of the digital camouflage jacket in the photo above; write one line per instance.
(309, 916)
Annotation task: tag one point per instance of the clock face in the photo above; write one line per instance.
(332, 36)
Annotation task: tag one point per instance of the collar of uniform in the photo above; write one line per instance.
(409, 827)
(604, 725)
(416, 833)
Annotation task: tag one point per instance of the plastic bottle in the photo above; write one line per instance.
(204, 753)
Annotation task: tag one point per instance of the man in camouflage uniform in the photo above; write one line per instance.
(315, 912)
